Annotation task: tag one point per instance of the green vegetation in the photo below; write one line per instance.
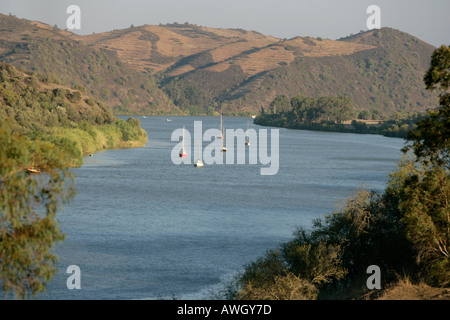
(384, 79)
(28, 206)
(48, 127)
(404, 230)
(381, 77)
(307, 111)
(95, 72)
(329, 114)
(78, 124)
(199, 92)
(431, 138)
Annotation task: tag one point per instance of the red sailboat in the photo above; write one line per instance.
(183, 153)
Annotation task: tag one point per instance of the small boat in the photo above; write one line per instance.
(183, 153)
(247, 140)
(143, 117)
(33, 170)
(253, 117)
(224, 148)
(221, 128)
(168, 120)
(198, 163)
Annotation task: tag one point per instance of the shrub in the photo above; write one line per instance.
(74, 97)
(289, 287)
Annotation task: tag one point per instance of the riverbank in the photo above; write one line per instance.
(75, 123)
(387, 128)
(86, 139)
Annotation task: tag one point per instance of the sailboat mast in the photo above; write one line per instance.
(182, 145)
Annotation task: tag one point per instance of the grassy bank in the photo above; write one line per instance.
(77, 124)
(87, 139)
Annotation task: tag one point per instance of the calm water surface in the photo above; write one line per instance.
(142, 227)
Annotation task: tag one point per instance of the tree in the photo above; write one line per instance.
(425, 192)
(364, 115)
(289, 287)
(280, 104)
(431, 139)
(28, 207)
(438, 75)
(425, 202)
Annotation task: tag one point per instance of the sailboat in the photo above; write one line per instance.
(247, 140)
(198, 162)
(224, 148)
(221, 128)
(182, 153)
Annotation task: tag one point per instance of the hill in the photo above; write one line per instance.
(47, 50)
(185, 68)
(41, 110)
(243, 70)
(383, 74)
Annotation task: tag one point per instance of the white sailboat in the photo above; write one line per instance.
(224, 148)
(198, 162)
(182, 153)
(220, 135)
(247, 140)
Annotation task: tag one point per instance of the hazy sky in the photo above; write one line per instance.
(429, 20)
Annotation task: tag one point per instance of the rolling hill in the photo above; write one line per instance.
(47, 50)
(244, 70)
(78, 124)
(190, 69)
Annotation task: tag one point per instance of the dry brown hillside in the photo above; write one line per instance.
(190, 69)
(157, 48)
(37, 47)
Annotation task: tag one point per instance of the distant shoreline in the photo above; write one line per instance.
(387, 128)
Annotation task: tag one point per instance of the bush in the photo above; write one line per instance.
(424, 199)
(289, 287)
(90, 101)
(74, 97)
(334, 255)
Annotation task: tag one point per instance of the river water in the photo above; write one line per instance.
(142, 227)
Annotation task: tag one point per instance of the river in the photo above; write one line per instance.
(142, 227)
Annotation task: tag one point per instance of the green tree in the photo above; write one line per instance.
(280, 104)
(425, 192)
(431, 139)
(28, 207)
(425, 202)
(364, 115)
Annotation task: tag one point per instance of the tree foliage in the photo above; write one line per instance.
(28, 207)
(73, 122)
(404, 230)
(49, 129)
(431, 139)
(425, 203)
(300, 111)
